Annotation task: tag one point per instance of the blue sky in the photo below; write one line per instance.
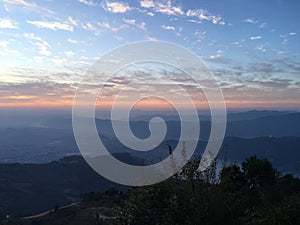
(252, 46)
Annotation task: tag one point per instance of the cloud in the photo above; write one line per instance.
(195, 21)
(49, 91)
(91, 27)
(133, 22)
(263, 25)
(116, 7)
(73, 41)
(260, 48)
(87, 2)
(38, 59)
(250, 20)
(72, 21)
(4, 44)
(7, 24)
(43, 46)
(150, 14)
(255, 37)
(289, 34)
(110, 27)
(168, 27)
(147, 3)
(69, 53)
(202, 14)
(142, 26)
(52, 25)
(29, 6)
(165, 8)
(129, 21)
(19, 2)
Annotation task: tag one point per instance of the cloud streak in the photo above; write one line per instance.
(53, 25)
(7, 24)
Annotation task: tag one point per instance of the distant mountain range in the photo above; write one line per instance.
(274, 135)
(54, 139)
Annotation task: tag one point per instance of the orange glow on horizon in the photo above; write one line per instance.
(149, 104)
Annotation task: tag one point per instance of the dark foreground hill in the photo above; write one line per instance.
(27, 189)
(253, 193)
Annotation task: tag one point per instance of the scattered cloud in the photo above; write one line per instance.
(150, 14)
(165, 8)
(255, 37)
(38, 59)
(5, 50)
(87, 2)
(53, 25)
(147, 3)
(72, 21)
(116, 7)
(4, 44)
(73, 41)
(289, 34)
(19, 2)
(48, 91)
(91, 27)
(195, 21)
(202, 14)
(43, 46)
(250, 20)
(133, 22)
(168, 27)
(31, 6)
(263, 25)
(111, 27)
(69, 53)
(129, 21)
(260, 48)
(7, 24)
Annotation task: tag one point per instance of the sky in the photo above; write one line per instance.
(252, 47)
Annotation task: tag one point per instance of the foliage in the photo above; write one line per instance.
(254, 193)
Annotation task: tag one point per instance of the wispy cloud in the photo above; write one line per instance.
(130, 21)
(69, 53)
(260, 48)
(5, 49)
(19, 2)
(133, 22)
(147, 3)
(31, 6)
(116, 7)
(91, 27)
(108, 26)
(43, 46)
(289, 34)
(53, 25)
(35, 92)
(72, 21)
(255, 37)
(73, 41)
(165, 8)
(202, 14)
(87, 2)
(168, 27)
(7, 24)
(250, 20)
(263, 25)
